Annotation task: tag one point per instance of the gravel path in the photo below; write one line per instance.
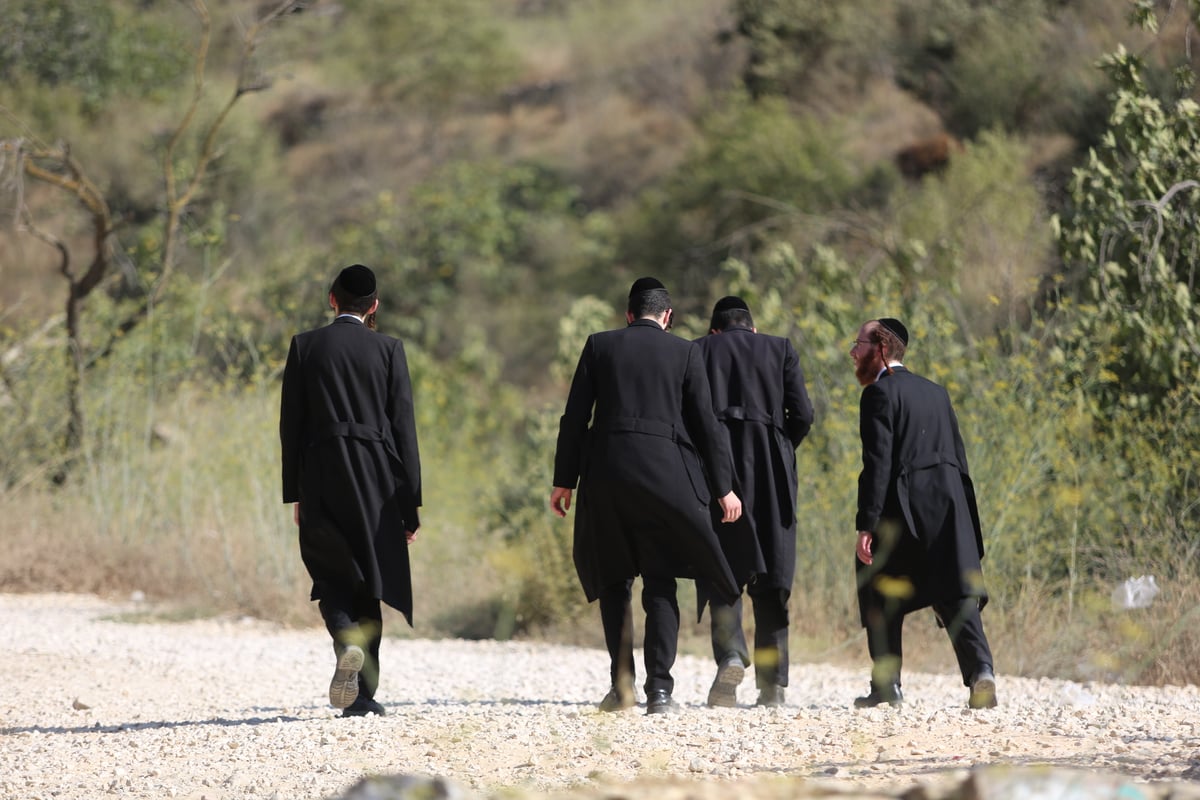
(92, 708)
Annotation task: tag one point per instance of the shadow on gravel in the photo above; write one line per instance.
(494, 701)
(125, 727)
(228, 722)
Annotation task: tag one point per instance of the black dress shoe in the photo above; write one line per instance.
(983, 690)
(363, 706)
(888, 693)
(659, 701)
(617, 700)
(770, 697)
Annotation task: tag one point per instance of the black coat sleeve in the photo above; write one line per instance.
(876, 430)
(573, 425)
(402, 418)
(797, 408)
(708, 434)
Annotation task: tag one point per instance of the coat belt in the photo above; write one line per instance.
(743, 414)
(349, 430)
(650, 427)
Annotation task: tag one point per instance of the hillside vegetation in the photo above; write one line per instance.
(1018, 180)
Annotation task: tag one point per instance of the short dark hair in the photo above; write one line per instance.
(649, 303)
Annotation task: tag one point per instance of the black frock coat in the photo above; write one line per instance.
(915, 495)
(760, 397)
(649, 463)
(349, 446)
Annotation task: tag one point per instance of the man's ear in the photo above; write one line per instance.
(332, 302)
(374, 306)
(628, 317)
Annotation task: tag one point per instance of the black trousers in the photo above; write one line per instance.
(353, 617)
(661, 605)
(963, 625)
(769, 606)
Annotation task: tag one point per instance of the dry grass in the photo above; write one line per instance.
(52, 543)
(49, 543)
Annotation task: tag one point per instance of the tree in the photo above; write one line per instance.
(1128, 241)
(185, 169)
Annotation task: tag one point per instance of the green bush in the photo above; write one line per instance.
(978, 231)
(990, 65)
(1127, 240)
(757, 174)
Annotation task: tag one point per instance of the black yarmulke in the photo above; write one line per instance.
(896, 327)
(645, 285)
(729, 304)
(356, 281)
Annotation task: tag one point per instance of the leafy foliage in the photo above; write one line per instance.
(1128, 242)
(111, 49)
(989, 65)
(429, 54)
(471, 238)
(978, 231)
(757, 173)
(786, 39)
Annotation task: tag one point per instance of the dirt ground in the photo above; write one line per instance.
(103, 700)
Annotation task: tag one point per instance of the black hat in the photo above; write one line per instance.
(356, 281)
(645, 285)
(896, 327)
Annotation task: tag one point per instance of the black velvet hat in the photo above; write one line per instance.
(896, 327)
(356, 281)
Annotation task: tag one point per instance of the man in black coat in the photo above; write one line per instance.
(919, 539)
(351, 467)
(647, 467)
(759, 396)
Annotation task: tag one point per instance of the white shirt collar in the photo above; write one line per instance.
(891, 365)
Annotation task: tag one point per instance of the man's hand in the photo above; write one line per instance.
(411, 536)
(560, 500)
(296, 513)
(731, 504)
(863, 551)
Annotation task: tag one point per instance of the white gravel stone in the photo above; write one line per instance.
(217, 709)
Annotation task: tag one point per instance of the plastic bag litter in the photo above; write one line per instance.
(1136, 592)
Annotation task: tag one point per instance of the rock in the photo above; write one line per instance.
(1028, 783)
(406, 787)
